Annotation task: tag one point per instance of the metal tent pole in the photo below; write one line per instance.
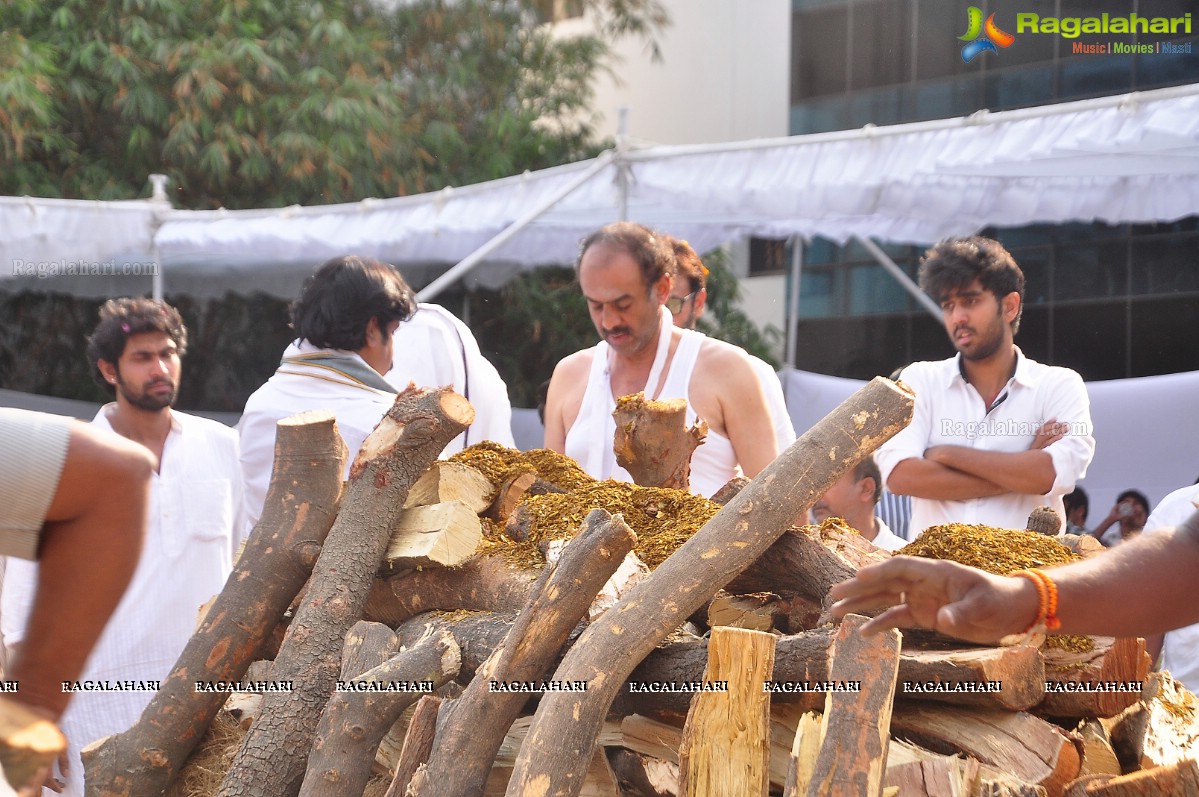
(904, 280)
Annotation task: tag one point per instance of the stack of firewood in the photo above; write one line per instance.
(420, 625)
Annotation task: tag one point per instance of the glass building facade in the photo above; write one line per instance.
(1109, 301)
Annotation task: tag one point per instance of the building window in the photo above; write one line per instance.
(767, 256)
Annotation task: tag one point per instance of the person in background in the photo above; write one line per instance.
(1178, 648)
(192, 532)
(1126, 519)
(854, 498)
(1077, 506)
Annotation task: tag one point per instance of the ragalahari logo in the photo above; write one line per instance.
(982, 37)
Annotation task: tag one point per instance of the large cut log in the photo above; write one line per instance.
(451, 481)
(1100, 682)
(1160, 730)
(856, 724)
(356, 718)
(29, 744)
(725, 748)
(485, 583)
(367, 645)
(273, 755)
(809, 560)
(474, 725)
(300, 506)
(1025, 746)
(437, 535)
(566, 724)
(1007, 678)
(653, 442)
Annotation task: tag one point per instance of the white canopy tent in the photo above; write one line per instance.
(1129, 158)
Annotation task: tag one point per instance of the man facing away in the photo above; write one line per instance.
(192, 529)
(993, 434)
(624, 272)
(689, 298)
(853, 498)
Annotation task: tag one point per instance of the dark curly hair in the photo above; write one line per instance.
(651, 250)
(955, 263)
(339, 300)
(120, 319)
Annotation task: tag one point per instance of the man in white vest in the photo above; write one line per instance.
(625, 272)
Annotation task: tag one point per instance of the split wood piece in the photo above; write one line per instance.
(809, 561)
(610, 736)
(759, 611)
(641, 775)
(1180, 779)
(803, 614)
(1098, 755)
(485, 583)
(1006, 788)
(805, 749)
(272, 757)
(300, 506)
(653, 442)
(856, 726)
(566, 724)
(510, 493)
(943, 774)
(729, 490)
(630, 571)
(725, 748)
(29, 744)
(243, 707)
(1079, 786)
(418, 743)
(446, 481)
(474, 725)
(439, 535)
(1160, 730)
(1085, 545)
(801, 660)
(354, 722)
(1032, 750)
(1118, 666)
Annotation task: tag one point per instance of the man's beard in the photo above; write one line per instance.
(146, 400)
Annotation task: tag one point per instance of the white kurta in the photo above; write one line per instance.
(191, 535)
(295, 388)
(1180, 651)
(434, 348)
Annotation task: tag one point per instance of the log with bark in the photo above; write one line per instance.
(653, 442)
(474, 725)
(418, 744)
(300, 506)
(1100, 682)
(273, 756)
(566, 724)
(485, 583)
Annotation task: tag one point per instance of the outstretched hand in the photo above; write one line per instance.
(947, 597)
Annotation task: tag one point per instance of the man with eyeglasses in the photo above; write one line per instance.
(688, 298)
(625, 273)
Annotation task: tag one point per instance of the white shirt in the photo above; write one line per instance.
(296, 388)
(1180, 651)
(885, 538)
(434, 348)
(776, 402)
(950, 411)
(191, 536)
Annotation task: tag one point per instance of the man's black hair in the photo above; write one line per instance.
(954, 264)
(339, 300)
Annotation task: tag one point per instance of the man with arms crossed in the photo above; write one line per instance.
(191, 533)
(624, 272)
(993, 434)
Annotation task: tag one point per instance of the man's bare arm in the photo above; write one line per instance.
(746, 417)
(923, 478)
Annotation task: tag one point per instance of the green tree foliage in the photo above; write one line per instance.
(265, 103)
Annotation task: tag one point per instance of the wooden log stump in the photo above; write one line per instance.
(1100, 682)
(474, 725)
(363, 709)
(653, 442)
(273, 756)
(856, 725)
(725, 749)
(566, 725)
(300, 506)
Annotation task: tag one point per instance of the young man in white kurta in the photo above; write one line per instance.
(1180, 648)
(625, 276)
(993, 434)
(192, 532)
